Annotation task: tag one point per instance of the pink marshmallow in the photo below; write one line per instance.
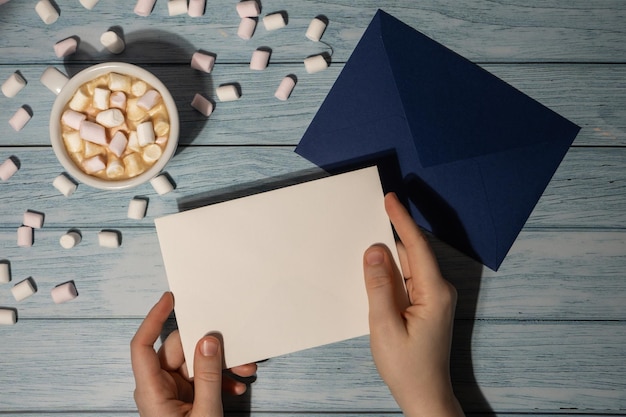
(202, 62)
(19, 119)
(24, 236)
(249, 8)
(285, 88)
(203, 105)
(33, 219)
(144, 7)
(118, 143)
(149, 99)
(246, 28)
(118, 100)
(259, 60)
(7, 169)
(196, 8)
(93, 132)
(94, 164)
(73, 118)
(65, 47)
(64, 292)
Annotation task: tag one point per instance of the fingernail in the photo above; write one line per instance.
(374, 257)
(209, 347)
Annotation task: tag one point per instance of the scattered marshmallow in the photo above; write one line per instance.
(176, 7)
(89, 4)
(248, 8)
(64, 292)
(47, 12)
(110, 118)
(259, 60)
(24, 236)
(149, 99)
(70, 239)
(24, 289)
(137, 208)
(118, 143)
(202, 62)
(145, 133)
(5, 273)
(94, 164)
(109, 239)
(202, 104)
(196, 8)
(8, 169)
(315, 63)
(8, 317)
(13, 85)
(246, 28)
(93, 132)
(227, 92)
(73, 118)
(315, 30)
(112, 42)
(285, 88)
(33, 219)
(64, 185)
(53, 79)
(19, 119)
(65, 47)
(162, 184)
(274, 21)
(144, 7)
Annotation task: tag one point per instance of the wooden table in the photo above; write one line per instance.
(544, 336)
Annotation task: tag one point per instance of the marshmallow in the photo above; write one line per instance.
(151, 153)
(109, 239)
(119, 82)
(162, 184)
(24, 236)
(53, 79)
(118, 144)
(110, 118)
(246, 28)
(64, 185)
(117, 100)
(114, 168)
(248, 8)
(203, 105)
(138, 88)
(80, 101)
(7, 169)
(315, 30)
(73, 118)
(64, 292)
(112, 42)
(47, 12)
(137, 208)
(196, 8)
(101, 98)
(93, 132)
(176, 7)
(315, 63)
(13, 85)
(145, 133)
(33, 219)
(19, 119)
(161, 127)
(93, 149)
(144, 7)
(94, 164)
(149, 99)
(285, 88)
(65, 47)
(202, 62)
(24, 289)
(132, 164)
(259, 60)
(5, 272)
(274, 21)
(228, 92)
(70, 239)
(89, 4)
(72, 141)
(8, 316)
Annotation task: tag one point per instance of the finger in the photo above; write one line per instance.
(245, 371)
(232, 386)
(144, 359)
(171, 354)
(208, 378)
(404, 260)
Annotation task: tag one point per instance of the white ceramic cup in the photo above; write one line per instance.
(65, 95)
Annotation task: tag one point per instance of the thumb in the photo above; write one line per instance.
(207, 367)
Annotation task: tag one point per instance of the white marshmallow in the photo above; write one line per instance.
(259, 59)
(64, 185)
(144, 7)
(80, 101)
(114, 169)
(145, 133)
(8, 316)
(132, 164)
(7, 169)
(53, 79)
(117, 100)
(151, 153)
(72, 141)
(94, 164)
(203, 105)
(73, 118)
(24, 289)
(202, 62)
(285, 88)
(5, 272)
(227, 92)
(109, 239)
(93, 132)
(137, 208)
(162, 184)
(70, 239)
(13, 85)
(248, 8)
(176, 7)
(112, 42)
(315, 30)
(315, 63)
(196, 8)
(274, 21)
(64, 292)
(19, 119)
(149, 99)
(133, 141)
(101, 98)
(119, 82)
(246, 28)
(118, 143)
(89, 4)
(33, 219)
(110, 118)
(65, 47)
(24, 236)
(47, 12)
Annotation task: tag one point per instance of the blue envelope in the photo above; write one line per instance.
(471, 155)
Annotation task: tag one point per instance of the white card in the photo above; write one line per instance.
(276, 272)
